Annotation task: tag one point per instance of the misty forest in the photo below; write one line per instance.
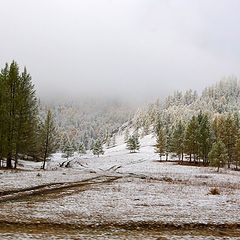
(118, 133)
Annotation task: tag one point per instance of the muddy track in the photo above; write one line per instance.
(53, 187)
(228, 230)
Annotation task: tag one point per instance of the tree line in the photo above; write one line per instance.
(23, 133)
(202, 140)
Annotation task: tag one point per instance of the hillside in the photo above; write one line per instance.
(218, 99)
(87, 120)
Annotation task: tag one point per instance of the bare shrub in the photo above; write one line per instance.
(214, 191)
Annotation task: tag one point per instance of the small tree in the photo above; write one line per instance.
(133, 144)
(160, 146)
(218, 155)
(68, 150)
(48, 136)
(81, 149)
(113, 141)
(97, 148)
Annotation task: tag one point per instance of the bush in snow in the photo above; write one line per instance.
(133, 144)
(97, 148)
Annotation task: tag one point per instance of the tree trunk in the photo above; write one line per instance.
(44, 159)
(44, 163)
(46, 150)
(16, 160)
(9, 161)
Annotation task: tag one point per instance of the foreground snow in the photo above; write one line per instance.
(145, 190)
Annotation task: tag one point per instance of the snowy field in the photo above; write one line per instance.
(119, 190)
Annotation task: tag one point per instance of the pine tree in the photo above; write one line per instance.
(97, 148)
(3, 75)
(191, 138)
(160, 146)
(18, 115)
(177, 144)
(26, 120)
(169, 132)
(68, 150)
(86, 141)
(226, 130)
(130, 144)
(64, 141)
(136, 142)
(113, 141)
(230, 137)
(81, 149)
(218, 155)
(12, 87)
(48, 136)
(133, 144)
(204, 137)
(237, 151)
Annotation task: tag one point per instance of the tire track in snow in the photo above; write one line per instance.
(53, 187)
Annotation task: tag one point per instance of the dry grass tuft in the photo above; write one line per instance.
(214, 191)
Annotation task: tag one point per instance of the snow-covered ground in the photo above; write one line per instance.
(144, 190)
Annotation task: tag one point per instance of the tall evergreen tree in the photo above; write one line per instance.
(2, 113)
(26, 120)
(160, 146)
(204, 137)
(191, 138)
(237, 151)
(12, 88)
(48, 136)
(18, 115)
(169, 132)
(230, 137)
(177, 143)
(226, 130)
(218, 155)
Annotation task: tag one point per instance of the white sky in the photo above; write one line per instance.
(129, 48)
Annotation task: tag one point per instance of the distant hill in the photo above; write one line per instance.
(221, 98)
(88, 120)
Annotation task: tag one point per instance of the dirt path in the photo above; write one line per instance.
(128, 230)
(53, 188)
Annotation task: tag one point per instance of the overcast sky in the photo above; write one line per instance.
(133, 48)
